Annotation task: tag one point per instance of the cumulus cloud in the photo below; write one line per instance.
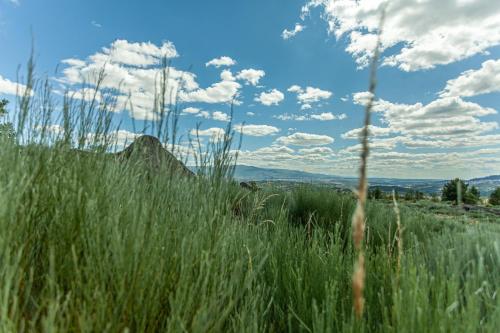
(221, 116)
(222, 61)
(216, 115)
(444, 122)
(135, 54)
(372, 130)
(8, 87)
(133, 74)
(430, 33)
(287, 34)
(256, 130)
(325, 116)
(317, 152)
(306, 97)
(251, 76)
(273, 97)
(475, 82)
(215, 133)
(191, 110)
(305, 139)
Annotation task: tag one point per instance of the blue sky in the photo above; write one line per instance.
(299, 91)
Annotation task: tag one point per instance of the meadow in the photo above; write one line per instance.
(91, 244)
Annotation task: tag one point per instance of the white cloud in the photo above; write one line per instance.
(256, 130)
(305, 139)
(221, 116)
(225, 91)
(251, 114)
(251, 76)
(475, 82)
(430, 33)
(362, 98)
(316, 150)
(15, 2)
(191, 110)
(372, 130)
(273, 97)
(8, 87)
(222, 61)
(306, 97)
(96, 24)
(116, 139)
(287, 34)
(287, 116)
(216, 115)
(445, 122)
(135, 54)
(203, 114)
(325, 116)
(295, 89)
(215, 133)
(227, 75)
(133, 74)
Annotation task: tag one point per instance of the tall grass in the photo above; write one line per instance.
(89, 244)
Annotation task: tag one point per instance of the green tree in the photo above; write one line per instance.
(3, 107)
(6, 128)
(451, 190)
(376, 194)
(472, 196)
(495, 197)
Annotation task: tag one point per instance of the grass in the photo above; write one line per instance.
(89, 244)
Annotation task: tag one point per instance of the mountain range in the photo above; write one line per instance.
(430, 186)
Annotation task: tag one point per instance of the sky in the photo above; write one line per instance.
(296, 70)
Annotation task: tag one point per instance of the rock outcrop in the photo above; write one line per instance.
(148, 150)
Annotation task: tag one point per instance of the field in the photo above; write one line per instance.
(89, 244)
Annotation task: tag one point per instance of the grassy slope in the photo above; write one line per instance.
(89, 245)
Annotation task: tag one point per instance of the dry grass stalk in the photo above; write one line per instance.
(399, 234)
(358, 219)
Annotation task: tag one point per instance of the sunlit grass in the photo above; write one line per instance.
(91, 244)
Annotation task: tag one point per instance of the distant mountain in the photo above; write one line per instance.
(246, 172)
(488, 178)
(430, 186)
(486, 185)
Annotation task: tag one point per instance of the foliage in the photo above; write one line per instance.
(7, 131)
(495, 197)
(3, 107)
(413, 195)
(89, 244)
(453, 189)
(472, 196)
(376, 194)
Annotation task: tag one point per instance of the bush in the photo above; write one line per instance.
(495, 197)
(450, 190)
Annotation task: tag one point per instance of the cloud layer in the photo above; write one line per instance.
(427, 33)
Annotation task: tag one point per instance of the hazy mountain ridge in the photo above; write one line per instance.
(430, 186)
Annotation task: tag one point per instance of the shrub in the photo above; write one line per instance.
(495, 197)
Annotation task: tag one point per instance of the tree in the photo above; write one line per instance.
(472, 196)
(376, 194)
(3, 107)
(6, 128)
(495, 197)
(451, 189)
